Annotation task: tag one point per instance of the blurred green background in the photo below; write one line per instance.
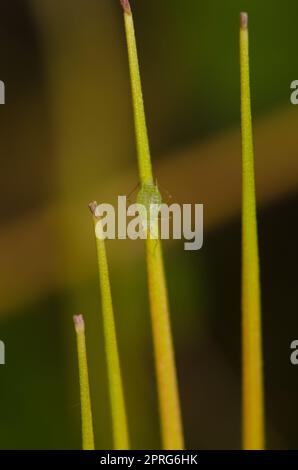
(67, 137)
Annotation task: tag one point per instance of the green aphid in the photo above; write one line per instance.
(149, 199)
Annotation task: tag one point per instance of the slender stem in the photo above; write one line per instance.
(169, 406)
(119, 418)
(86, 412)
(143, 148)
(170, 415)
(253, 399)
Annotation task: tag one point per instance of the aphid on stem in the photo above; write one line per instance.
(149, 200)
(169, 403)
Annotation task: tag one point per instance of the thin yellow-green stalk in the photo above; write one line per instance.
(144, 160)
(86, 412)
(253, 399)
(119, 418)
(170, 415)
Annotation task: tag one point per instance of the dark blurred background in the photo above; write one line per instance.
(67, 137)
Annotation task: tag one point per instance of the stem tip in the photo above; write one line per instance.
(126, 6)
(79, 323)
(92, 206)
(243, 20)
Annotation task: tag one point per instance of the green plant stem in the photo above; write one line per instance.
(169, 406)
(253, 399)
(170, 415)
(86, 412)
(144, 160)
(119, 418)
